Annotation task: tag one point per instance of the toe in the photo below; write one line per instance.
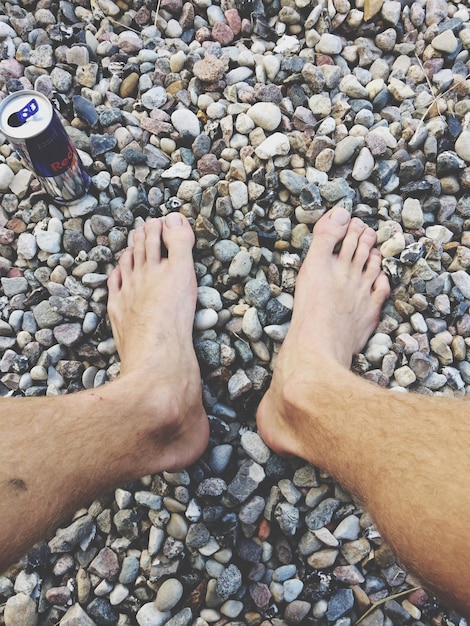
(114, 287)
(138, 243)
(364, 247)
(351, 240)
(114, 281)
(381, 287)
(153, 241)
(373, 266)
(330, 230)
(126, 264)
(178, 238)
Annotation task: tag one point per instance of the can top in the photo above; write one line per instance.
(24, 114)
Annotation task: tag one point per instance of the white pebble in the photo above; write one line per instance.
(277, 332)
(276, 144)
(149, 615)
(266, 115)
(205, 319)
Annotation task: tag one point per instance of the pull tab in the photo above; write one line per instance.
(22, 116)
(27, 111)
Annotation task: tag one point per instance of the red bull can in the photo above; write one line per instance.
(34, 129)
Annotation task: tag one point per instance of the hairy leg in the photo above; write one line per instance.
(404, 455)
(58, 453)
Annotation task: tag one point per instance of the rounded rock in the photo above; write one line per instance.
(266, 115)
(20, 610)
(169, 594)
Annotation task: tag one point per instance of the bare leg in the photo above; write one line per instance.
(58, 453)
(405, 455)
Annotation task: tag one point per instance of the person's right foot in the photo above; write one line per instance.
(151, 305)
(338, 298)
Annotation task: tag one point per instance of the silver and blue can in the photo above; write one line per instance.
(32, 126)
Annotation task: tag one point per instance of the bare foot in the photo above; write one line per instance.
(152, 300)
(337, 306)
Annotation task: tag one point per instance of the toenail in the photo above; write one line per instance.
(340, 216)
(173, 220)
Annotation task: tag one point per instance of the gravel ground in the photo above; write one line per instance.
(252, 119)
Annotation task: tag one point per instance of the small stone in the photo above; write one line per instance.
(405, 376)
(323, 559)
(58, 595)
(412, 213)
(20, 610)
(348, 529)
(260, 595)
(76, 616)
(79, 532)
(266, 115)
(186, 123)
(222, 33)
(68, 334)
(393, 246)
(178, 170)
(348, 574)
(105, 564)
(246, 481)
(329, 44)
(462, 146)
(129, 570)
(287, 516)
(49, 241)
(255, 447)
(372, 8)
(292, 589)
(154, 98)
(462, 281)
(396, 612)
(341, 602)
(229, 582)
(364, 165)
(445, 42)
(6, 177)
(322, 514)
(240, 266)
(169, 594)
(275, 144)
(27, 246)
(149, 615)
(297, 611)
(210, 69)
(251, 325)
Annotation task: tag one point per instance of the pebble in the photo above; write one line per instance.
(105, 564)
(76, 616)
(266, 115)
(276, 144)
(341, 602)
(241, 265)
(462, 145)
(186, 123)
(363, 166)
(169, 594)
(20, 610)
(149, 615)
(462, 280)
(229, 582)
(297, 611)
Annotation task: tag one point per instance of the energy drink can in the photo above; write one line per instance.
(33, 127)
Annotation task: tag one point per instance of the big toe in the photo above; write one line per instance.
(178, 238)
(331, 229)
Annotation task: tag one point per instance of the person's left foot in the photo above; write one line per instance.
(151, 305)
